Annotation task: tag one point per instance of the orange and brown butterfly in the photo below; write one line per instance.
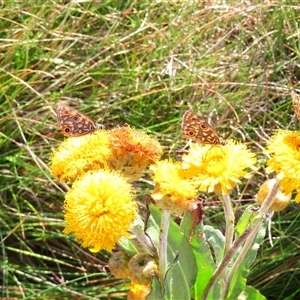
(197, 129)
(72, 122)
(296, 103)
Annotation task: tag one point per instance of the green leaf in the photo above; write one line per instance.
(153, 228)
(186, 224)
(155, 293)
(127, 246)
(245, 220)
(181, 276)
(252, 294)
(205, 262)
(216, 240)
(190, 220)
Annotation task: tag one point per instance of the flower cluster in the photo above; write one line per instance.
(208, 168)
(100, 206)
(122, 149)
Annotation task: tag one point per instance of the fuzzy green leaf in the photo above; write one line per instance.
(252, 294)
(205, 262)
(155, 293)
(182, 272)
(216, 240)
(245, 220)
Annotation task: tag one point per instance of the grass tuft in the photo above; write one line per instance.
(142, 64)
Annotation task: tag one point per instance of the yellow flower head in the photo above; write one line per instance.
(138, 291)
(77, 155)
(99, 209)
(132, 151)
(285, 148)
(172, 190)
(218, 169)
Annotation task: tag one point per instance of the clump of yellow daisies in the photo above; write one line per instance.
(100, 206)
(104, 163)
(205, 168)
(121, 149)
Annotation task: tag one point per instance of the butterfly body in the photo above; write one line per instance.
(197, 129)
(74, 123)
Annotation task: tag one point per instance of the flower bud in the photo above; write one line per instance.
(281, 200)
(118, 264)
(141, 267)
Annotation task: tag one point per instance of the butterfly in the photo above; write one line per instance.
(72, 122)
(296, 103)
(197, 129)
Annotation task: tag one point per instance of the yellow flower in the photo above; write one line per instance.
(280, 201)
(132, 151)
(138, 291)
(172, 190)
(218, 169)
(77, 155)
(285, 149)
(99, 209)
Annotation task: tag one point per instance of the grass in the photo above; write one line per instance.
(142, 64)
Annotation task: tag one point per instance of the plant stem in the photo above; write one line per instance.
(163, 243)
(229, 217)
(254, 228)
(225, 262)
(250, 238)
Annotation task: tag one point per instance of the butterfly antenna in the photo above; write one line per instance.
(102, 126)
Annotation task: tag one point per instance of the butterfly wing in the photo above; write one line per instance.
(196, 128)
(74, 123)
(296, 104)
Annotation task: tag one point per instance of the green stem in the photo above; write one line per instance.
(252, 235)
(229, 233)
(250, 238)
(229, 218)
(163, 244)
(225, 262)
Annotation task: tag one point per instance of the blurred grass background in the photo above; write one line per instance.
(142, 64)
